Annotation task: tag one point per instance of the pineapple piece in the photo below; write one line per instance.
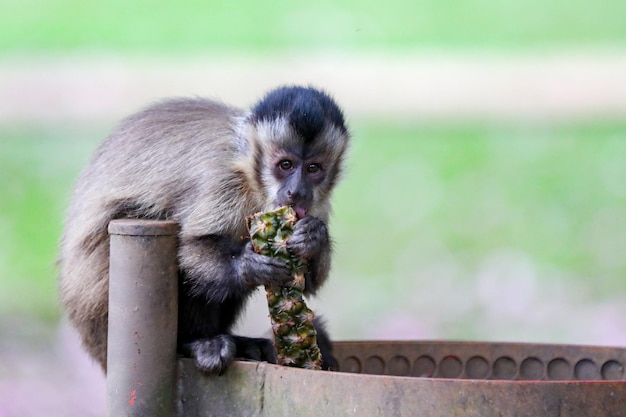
(295, 337)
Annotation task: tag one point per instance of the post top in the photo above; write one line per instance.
(143, 227)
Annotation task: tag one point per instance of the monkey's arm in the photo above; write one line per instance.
(318, 271)
(218, 268)
(218, 275)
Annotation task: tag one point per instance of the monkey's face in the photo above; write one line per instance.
(299, 139)
(298, 172)
(297, 179)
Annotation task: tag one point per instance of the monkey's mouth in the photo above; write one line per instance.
(300, 211)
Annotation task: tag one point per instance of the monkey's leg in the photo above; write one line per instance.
(329, 363)
(258, 349)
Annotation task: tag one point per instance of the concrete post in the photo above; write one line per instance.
(143, 318)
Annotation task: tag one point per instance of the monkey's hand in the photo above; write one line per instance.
(258, 269)
(309, 239)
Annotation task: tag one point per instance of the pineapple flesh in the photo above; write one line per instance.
(295, 337)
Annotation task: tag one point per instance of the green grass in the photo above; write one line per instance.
(414, 195)
(157, 26)
(481, 232)
(37, 168)
(554, 193)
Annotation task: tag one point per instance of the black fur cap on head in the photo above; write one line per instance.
(306, 108)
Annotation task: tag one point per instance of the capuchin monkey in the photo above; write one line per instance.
(207, 166)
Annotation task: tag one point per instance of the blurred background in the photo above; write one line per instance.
(486, 192)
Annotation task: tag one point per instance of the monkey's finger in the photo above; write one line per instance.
(264, 270)
(277, 272)
(307, 242)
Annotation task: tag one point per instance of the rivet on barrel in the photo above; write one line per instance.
(559, 369)
(477, 367)
(398, 366)
(374, 365)
(613, 370)
(532, 369)
(586, 369)
(423, 367)
(351, 364)
(450, 367)
(504, 368)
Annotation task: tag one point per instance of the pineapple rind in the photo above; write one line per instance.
(295, 337)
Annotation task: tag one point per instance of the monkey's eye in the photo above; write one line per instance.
(313, 168)
(285, 164)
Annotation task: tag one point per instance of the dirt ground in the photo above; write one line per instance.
(419, 86)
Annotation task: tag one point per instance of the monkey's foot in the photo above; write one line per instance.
(257, 349)
(212, 355)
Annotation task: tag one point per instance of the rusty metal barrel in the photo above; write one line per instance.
(143, 318)
(417, 378)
